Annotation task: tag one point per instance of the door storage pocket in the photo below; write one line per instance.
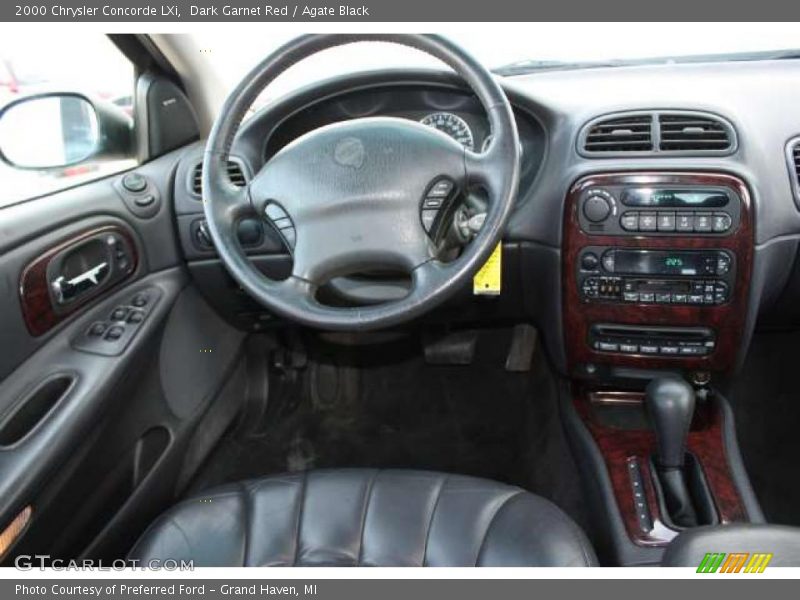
(34, 407)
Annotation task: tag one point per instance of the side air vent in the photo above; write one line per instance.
(631, 133)
(793, 162)
(692, 132)
(236, 174)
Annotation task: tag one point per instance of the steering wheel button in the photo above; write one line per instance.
(283, 223)
(275, 212)
(431, 202)
(290, 235)
(428, 218)
(441, 188)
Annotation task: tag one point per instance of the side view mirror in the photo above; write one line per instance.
(57, 130)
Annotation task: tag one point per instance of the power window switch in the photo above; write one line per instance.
(97, 329)
(114, 333)
(140, 300)
(136, 316)
(119, 313)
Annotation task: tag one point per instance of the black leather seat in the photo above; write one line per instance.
(365, 517)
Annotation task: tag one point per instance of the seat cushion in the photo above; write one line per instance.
(364, 517)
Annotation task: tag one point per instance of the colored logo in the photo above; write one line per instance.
(735, 562)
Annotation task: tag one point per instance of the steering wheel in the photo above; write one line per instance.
(353, 195)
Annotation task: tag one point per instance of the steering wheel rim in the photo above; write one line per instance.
(496, 168)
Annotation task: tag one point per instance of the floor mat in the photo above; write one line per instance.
(383, 406)
(766, 402)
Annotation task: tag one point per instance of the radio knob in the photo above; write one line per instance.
(596, 208)
(589, 261)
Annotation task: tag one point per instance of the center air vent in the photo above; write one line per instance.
(657, 133)
(694, 133)
(631, 133)
(235, 173)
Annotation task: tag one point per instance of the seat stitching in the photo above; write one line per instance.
(430, 520)
(303, 487)
(491, 522)
(368, 500)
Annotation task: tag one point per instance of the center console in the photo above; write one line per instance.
(656, 271)
(655, 283)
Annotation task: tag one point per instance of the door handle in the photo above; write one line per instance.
(65, 290)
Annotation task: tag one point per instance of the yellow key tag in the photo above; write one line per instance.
(487, 281)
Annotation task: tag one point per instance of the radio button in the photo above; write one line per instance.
(669, 349)
(629, 348)
(630, 221)
(702, 223)
(679, 298)
(647, 221)
(666, 221)
(722, 222)
(648, 349)
(695, 298)
(684, 222)
(647, 297)
(608, 261)
(607, 347)
(723, 264)
(631, 297)
(663, 298)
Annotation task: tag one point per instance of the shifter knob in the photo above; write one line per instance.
(670, 406)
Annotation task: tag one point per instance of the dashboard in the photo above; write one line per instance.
(593, 186)
(447, 109)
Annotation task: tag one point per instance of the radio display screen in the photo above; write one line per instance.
(659, 263)
(673, 198)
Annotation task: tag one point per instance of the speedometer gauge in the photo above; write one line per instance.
(452, 125)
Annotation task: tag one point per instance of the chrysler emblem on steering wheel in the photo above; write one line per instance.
(349, 152)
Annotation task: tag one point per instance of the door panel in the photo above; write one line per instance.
(90, 437)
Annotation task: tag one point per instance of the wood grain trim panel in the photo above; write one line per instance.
(37, 309)
(727, 320)
(705, 441)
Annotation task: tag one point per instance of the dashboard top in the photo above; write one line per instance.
(552, 108)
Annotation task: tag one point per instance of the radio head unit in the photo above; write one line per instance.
(666, 210)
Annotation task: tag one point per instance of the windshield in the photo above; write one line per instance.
(526, 46)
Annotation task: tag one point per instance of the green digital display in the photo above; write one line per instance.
(673, 261)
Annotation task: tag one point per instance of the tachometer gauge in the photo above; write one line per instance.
(452, 125)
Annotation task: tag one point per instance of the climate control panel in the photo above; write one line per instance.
(674, 277)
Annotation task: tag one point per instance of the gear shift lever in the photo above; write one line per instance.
(670, 407)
